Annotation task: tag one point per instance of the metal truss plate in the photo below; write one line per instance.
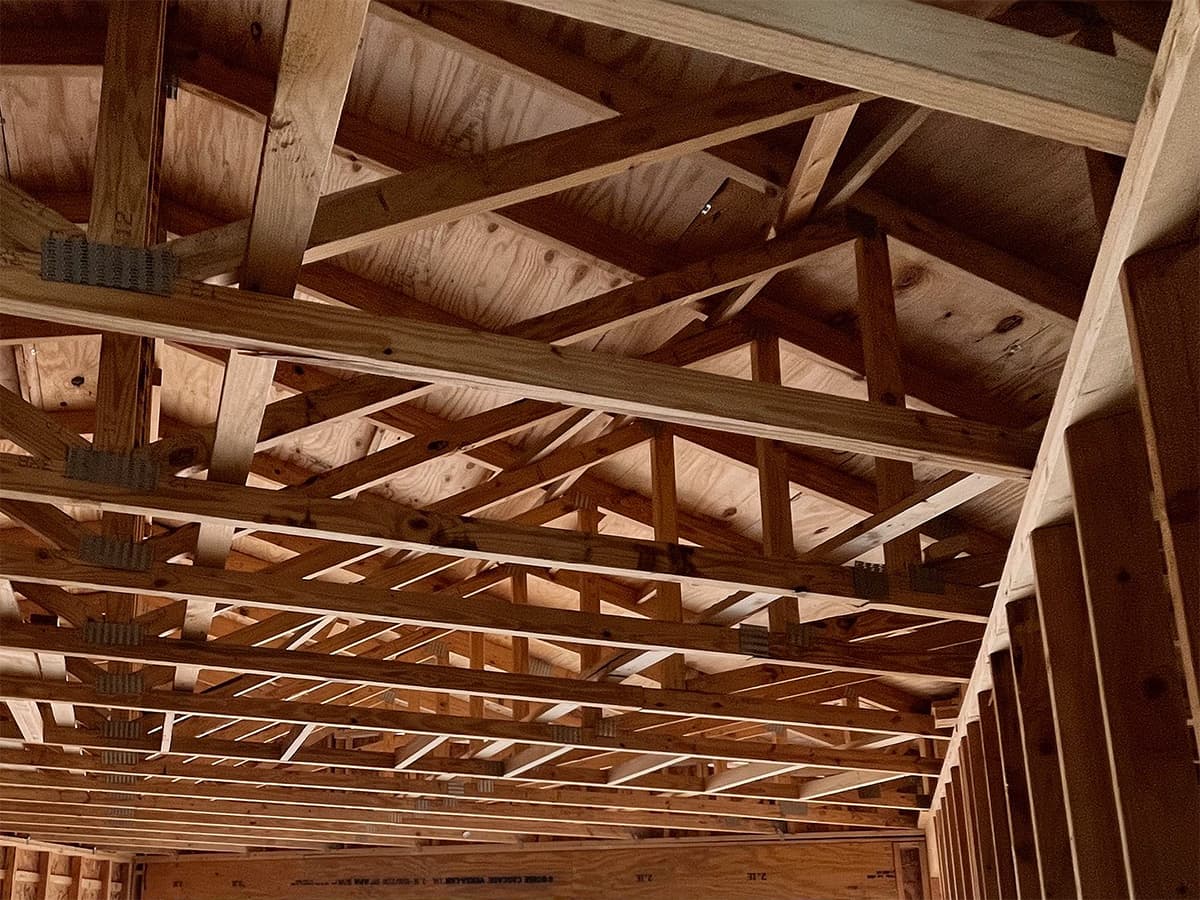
(870, 581)
(754, 640)
(136, 471)
(565, 734)
(76, 260)
(123, 729)
(113, 683)
(115, 553)
(118, 757)
(112, 634)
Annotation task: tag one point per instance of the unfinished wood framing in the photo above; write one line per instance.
(505, 443)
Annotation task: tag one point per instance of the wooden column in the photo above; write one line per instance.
(8, 891)
(1012, 758)
(885, 382)
(1162, 309)
(106, 879)
(957, 884)
(962, 836)
(75, 889)
(1142, 690)
(520, 645)
(989, 742)
(1041, 753)
(589, 600)
(953, 883)
(666, 528)
(477, 645)
(42, 891)
(981, 803)
(774, 489)
(1078, 719)
(949, 879)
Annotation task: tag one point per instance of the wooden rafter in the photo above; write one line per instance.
(940, 63)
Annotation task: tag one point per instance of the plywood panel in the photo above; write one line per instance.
(827, 869)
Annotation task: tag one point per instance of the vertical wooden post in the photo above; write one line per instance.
(106, 880)
(666, 528)
(124, 211)
(947, 879)
(43, 871)
(1142, 692)
(1041, 754)
(477, 647)
(9, 891)
(1078, 721)
(1012, 758)
(955, 883)
(981, 802)
(953, 886)
(989, 742)
(127, 876)
(774, 489)
(962, 836)
(885, 381)
(75, 889)
(589, 601)
(520, 645)
(970, 823)
(1162, 309)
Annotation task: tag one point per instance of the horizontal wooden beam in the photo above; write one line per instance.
(505, 816)
(219, 656)
(175, 782)
(378, 522)
(258, 323)
(439, 610)
(921, 54)
(374, 718)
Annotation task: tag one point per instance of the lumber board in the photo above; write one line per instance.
(497, 616)
(1143, 696)
(920, 54)
(1156, 205)
(834, 869)
(249, 659)
(382, 523)
(301, 713)
(1162, 311)
(319, 48)
(443, 192)
(209, 314)
(1078, 719)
